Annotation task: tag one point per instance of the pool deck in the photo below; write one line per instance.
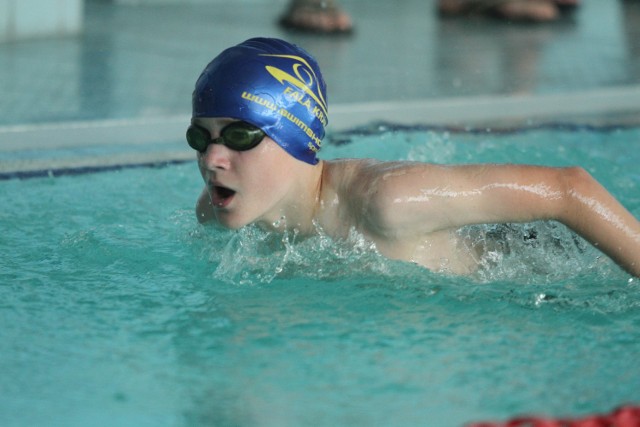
(119, 93)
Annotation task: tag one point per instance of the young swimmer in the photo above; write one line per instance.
(259, 113)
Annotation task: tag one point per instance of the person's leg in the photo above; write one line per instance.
(528, 10)
(515, 10)
(321, 16)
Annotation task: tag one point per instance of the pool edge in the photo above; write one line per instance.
(618, 105)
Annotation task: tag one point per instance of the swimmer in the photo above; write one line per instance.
(259, 114)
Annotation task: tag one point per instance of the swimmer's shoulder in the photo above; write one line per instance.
(346, 190)
(351, 175)
(373, 188)
(360, 184)
(346, 176)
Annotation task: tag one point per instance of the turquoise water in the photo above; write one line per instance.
(117, 308)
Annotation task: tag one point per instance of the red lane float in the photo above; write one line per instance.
(625, 416)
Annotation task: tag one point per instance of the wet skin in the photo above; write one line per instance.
(411, 211)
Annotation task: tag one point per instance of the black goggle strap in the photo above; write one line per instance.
(238, 136)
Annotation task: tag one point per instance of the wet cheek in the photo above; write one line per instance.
(266, 186)
(269, 185)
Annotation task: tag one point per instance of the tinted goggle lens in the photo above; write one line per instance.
(238, 136)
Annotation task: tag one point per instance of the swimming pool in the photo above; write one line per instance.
(119, 309)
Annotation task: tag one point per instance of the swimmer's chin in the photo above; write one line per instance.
(226, 220)
(277, 226)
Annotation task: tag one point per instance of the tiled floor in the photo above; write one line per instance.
(135, 65)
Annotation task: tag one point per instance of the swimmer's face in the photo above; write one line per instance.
(246, 186)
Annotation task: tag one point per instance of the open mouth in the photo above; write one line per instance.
(221, 196)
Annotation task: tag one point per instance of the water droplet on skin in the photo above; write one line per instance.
(277, 223)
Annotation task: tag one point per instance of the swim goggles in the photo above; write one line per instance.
(238, 136)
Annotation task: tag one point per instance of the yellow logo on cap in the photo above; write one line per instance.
(304, 78)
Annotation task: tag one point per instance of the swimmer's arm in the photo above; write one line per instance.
(204, 207)
(433, 198)
(591, 211)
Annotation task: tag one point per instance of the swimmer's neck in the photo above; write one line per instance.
(299, 211)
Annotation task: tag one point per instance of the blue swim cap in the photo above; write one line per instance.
(271, 84)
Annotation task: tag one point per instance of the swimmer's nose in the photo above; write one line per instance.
(217, 156)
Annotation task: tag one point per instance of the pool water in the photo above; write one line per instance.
(117, 308)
